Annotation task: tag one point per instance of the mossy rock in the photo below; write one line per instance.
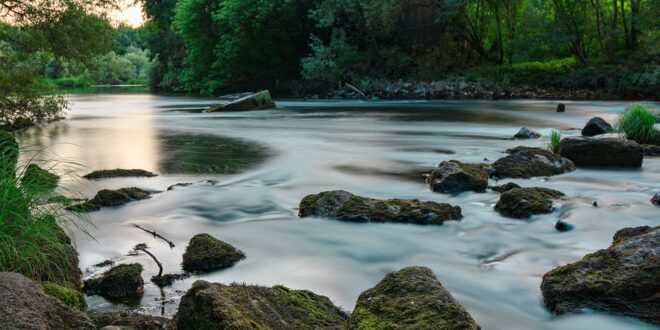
(219, 306)
(411, 298)
(602, 152)
(107, 198)
(344, 206)
(119, 173)
(130, 320)
(71, 297)
(256, 101)
(622, 279)
(206, 253)
(118, 283)
(454, 176)
(525, 162)
(505, 187)
(596, 126)
(522, 203)
(37, 179)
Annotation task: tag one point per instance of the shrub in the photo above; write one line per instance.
(637, 123)
(555, 140)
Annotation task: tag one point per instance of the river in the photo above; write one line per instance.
(250, 170)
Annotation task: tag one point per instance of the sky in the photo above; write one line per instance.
(129, 12)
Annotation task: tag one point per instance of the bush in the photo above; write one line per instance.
(555, 140)
(637, 123)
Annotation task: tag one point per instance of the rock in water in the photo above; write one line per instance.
(655, 200)
(120, 282)
(205, 253)
(107, 198)
(526, 133)
(411, 298)
(118, 173)
(525, 162)
(128, 320)
(219, 306)
(624, 278)
(561, 107)
(342, 205)
(651, 150)
(454, 177)
(596, 126)
(522, 203)
(256, 101)
(24, 305)
(601, 152)
(505, 187)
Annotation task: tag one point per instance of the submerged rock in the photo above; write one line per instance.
(119, 173)
(655, 200)
(601, 152)
(120, 282)
(342, 205)
(561, 107)
(525, 162)
(411, 298)
(651, 150)
(526, 133)
(524, 202)
(454, 176)
(168, 279)
(505, 187)
(596, 126)
(256, 101)
(205, 253)
(218, 306)
(24, 305)
(37, 179)
(623, 279)
(563, 226)
(128, 320)
(107, 198)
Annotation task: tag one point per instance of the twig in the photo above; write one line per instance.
(357, 91)
(143, 248)
(157, 235)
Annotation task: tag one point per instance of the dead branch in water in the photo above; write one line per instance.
(156, 235)
(357, 90)
(143, 247)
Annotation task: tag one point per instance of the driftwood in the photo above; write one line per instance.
(156, 235)
(357, 90)
(143, 247)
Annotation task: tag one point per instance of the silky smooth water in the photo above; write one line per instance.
(261, 163)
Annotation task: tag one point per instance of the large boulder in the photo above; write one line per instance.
(411, 298)
(118, 283)
(107, 198)
(130, 320)
(624, 278)
(342, 205)
(525, 162)
(256, 101)
(454, 177)
(526, 133)
(205, 253)
(119, 173)
(24, 305)
(218, 306)
(602, 152)
(655, 200)
(596, 126)
(522, 203)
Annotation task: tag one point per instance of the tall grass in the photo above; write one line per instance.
(637, 123)
(555, 140)
(32, 241)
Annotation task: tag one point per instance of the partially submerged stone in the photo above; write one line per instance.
(218, 306)
(454, 176)
(596, 126)
(256, 101)
(526, 133)
(525, 162)
(120, 282)
(655, 200)
(651, 150)
(168, 279)
(411, 298)
(522, 203)
(130, 320)
(37, 179)
(119, 173)
(342, 205)
(107, 198)
(505, 187)
(622, 279)
(601, 152)
(24, 305)
(205, 253)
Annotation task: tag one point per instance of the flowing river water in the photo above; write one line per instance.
(250, 170)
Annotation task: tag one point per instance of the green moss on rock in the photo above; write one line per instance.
(524, 202)
(411, 298)
(344, 206)
(219, 306)
(70, 297)
(621, 279)
(454, 176)
(206, 253)
(525, 162)
(118, 173)
(120, 282)
(107, 198)
(257, 101)
(37, 179)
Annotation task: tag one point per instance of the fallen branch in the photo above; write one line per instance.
(143, 247)
(157, 235)
(364, 96)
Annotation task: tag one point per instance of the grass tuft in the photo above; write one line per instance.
(555, 140)
(638, 123)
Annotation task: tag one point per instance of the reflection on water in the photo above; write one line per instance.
(262, 163)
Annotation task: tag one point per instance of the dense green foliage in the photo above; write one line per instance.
(213, 46)
(638, 123)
